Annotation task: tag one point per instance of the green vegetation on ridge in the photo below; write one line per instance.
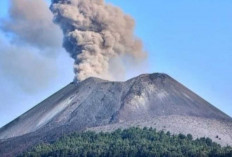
(133, 142)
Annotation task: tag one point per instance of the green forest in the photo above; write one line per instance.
(133, 142)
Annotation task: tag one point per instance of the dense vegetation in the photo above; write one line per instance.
(133, 142)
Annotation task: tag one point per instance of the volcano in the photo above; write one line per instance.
(151, 100)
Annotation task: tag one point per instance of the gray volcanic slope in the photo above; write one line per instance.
(96, 103)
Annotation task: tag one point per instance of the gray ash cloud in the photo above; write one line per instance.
(97, 34)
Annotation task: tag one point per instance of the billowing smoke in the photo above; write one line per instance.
(97, 34)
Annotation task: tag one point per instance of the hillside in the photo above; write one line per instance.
(151, 99)
(133, 142)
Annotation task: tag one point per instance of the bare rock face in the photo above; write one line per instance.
(96, 103)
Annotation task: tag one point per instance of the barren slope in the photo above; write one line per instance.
(218, 131)
(95, 102)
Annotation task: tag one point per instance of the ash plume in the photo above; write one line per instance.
(96, 34)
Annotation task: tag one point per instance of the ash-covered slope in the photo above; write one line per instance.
(95, 102)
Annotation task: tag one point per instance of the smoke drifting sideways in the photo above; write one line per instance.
(31, 23)
(27, 69)
(29, 45)
(98, 36)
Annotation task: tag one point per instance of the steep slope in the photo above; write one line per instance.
(95, 102)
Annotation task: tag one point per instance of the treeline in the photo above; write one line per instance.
(133, 142)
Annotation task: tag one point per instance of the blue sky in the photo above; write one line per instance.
(189, 40)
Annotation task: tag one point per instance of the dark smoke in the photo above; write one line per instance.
(96, 34)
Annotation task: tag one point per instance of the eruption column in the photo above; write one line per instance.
(95, 33)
